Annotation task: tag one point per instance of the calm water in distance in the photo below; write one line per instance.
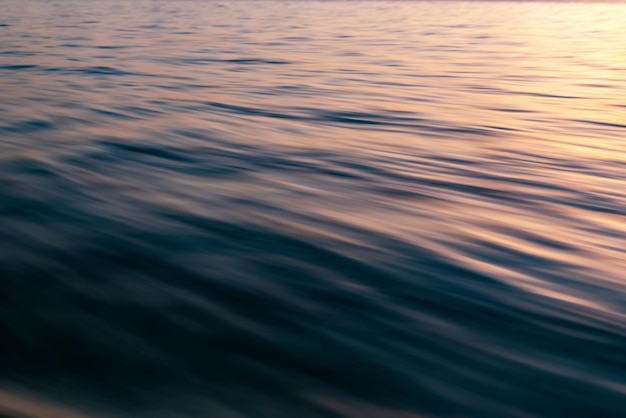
(233, 209)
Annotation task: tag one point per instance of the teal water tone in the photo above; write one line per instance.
(303, 209)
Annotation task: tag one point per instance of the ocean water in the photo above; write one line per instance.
(283, 209)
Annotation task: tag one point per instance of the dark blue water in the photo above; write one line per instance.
(312, 209)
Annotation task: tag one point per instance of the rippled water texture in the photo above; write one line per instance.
(312, 209)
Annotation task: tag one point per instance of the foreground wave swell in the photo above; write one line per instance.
(303, 209)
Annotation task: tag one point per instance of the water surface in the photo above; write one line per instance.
(312, 209)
